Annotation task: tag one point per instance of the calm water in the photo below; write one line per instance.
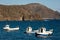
(20, 35)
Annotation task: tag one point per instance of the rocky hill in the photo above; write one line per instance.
(33, 11)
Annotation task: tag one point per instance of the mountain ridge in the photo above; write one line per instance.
(33, 11)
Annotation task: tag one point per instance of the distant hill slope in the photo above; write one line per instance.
(33, 11)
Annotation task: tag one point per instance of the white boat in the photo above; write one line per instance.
(29, 30)
(10, 29)
(42, 32)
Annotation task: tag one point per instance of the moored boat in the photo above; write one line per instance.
(7, 27)
(42, 32)
(29, 30)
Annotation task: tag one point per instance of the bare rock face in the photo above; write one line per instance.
(33, 11)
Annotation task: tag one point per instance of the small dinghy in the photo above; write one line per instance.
(42, 32)
(7, 28)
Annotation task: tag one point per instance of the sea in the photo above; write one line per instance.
(35, 24)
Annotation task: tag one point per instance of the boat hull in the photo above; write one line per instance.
(42, 35)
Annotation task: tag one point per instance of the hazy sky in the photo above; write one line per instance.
(53, 4)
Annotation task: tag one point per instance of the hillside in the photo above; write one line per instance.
(33, 11)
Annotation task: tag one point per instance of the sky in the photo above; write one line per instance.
(52, 4)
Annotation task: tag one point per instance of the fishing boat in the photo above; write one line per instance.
(42, 32)
(7, 27)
